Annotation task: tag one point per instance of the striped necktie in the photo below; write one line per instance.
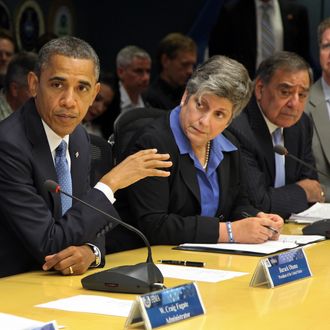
(267, 35)
(279, 160)
(63, 175)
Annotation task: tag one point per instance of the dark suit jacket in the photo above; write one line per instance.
(31, 225)
(252, 132)
(167, 209)
(235, 33)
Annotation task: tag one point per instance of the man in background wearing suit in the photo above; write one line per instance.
(275, 115)
(238, 31)
(43, 140)
(318, 108)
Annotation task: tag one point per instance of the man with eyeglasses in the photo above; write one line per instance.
(275, 116)
(133, 70)
(318, 108)
(7, 50)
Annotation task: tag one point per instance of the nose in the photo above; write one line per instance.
(205, 119)
(294, 100)
(68, 98)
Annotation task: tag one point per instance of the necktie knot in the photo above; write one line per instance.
(61, 149)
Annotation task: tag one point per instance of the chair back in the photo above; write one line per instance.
(101, 158)
(126, 127)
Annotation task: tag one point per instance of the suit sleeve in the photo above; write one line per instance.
(26, 213)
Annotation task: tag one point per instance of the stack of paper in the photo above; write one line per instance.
(318, 211)
(283, 243)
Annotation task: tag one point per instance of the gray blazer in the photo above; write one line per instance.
(316, 108)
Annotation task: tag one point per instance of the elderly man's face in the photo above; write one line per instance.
(283, 99)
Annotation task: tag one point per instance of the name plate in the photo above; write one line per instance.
(166, 306)
(281, 268)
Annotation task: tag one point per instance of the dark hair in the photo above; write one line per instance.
(19, 67)
(174, 42)
(70, 47)
(6, 34)
(288, 61)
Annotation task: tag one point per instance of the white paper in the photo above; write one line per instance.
(316, 212)
(92, 304)
(268, 247)
(197, 273)
(13, 322)
(301, 239)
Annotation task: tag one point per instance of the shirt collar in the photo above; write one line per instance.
(271, 127)
(125, 101)
(219, 143)
(53, 139)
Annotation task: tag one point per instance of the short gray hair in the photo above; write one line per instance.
(287, 61)
(126, 55)
(67, 46)
(223, 77)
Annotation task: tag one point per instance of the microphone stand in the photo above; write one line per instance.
(140, 278)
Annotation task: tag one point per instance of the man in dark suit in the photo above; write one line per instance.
(237, 33)
(277, 111)
(35, 229)
(318, 108)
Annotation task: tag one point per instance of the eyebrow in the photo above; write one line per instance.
(83, 82)
(287, 85)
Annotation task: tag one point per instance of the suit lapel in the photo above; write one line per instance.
(74, 151)
(188, 173)
(259, 126)
(319, 113)
(41, 153)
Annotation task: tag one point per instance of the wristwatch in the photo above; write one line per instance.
(97, 254)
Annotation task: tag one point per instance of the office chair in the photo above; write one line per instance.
(127, 125)
(101, 158)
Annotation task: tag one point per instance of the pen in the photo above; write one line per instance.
(183, 263)
(247, 215)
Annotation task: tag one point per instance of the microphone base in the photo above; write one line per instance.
(139, 278)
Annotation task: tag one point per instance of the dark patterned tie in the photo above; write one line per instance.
(279, 160)
(267, 34)
(63, 175)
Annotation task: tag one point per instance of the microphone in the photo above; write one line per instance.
(320, 227)
(140, 278)
(281, 150)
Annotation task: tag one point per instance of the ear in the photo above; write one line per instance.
(120, 72)
(258, 89)
(164, 59)
(33, 83)
(184, 98)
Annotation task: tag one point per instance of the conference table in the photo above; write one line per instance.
(229, 304)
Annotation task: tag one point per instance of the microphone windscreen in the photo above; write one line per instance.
(51, 186)
(280, 150)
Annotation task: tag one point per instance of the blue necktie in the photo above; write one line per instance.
(63, 175)
(279, 160)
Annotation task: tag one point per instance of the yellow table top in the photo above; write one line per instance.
(229, 304)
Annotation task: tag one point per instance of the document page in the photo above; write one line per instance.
(284, 242)
(92, 304)
(197, 273)
(316, 212)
